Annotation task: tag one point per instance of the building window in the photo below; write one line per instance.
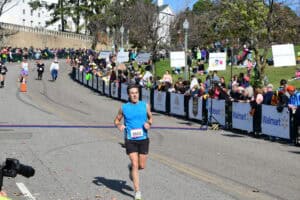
(31, 23)
(31, 12)
(40, 24)
(23, 1)
(24, 12)
(39, 14)
(23, 22)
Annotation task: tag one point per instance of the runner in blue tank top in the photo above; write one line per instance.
(137, 121)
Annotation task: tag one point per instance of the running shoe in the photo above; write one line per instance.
(138, 195)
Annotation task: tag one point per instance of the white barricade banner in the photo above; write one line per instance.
(95, 83)
(217, 109)
(80, 76)
(177, 58)
(77, 75)
(90, 82)
(146, 95)
(106, 88)
(284, 55)
(160, 101)
(177, 104)
(124, 95)
(114, 87)
(275, 123)
(217, 61)
(195, 108)
(241, 118)
(84, 79)
(100, 85)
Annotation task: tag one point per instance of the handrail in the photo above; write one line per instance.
(45, 31)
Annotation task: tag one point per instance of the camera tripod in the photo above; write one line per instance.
(210, 117)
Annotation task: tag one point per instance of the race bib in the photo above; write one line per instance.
(40, 69)
(135, 133)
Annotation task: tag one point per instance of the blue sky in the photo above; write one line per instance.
(178, 5)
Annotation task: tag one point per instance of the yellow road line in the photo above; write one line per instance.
(232, 188)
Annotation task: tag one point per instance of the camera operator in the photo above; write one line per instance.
(219, 92)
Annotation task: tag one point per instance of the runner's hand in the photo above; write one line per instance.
(121, 127)
(147, 126)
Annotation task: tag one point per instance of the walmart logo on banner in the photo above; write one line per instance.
(281, 122)
(275, 123)
(240, 116)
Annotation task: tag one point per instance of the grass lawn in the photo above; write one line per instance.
(274, 74)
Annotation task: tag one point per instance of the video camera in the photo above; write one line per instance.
(12, 167)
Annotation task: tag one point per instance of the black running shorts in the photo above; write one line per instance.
(139, 146)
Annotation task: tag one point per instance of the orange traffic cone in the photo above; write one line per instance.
(23, 86)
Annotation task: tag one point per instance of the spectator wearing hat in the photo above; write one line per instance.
(294, 105)
(268, 95)
(294, 101)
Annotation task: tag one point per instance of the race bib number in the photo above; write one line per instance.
(135, 133)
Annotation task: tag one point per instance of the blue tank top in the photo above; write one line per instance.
(135, 115)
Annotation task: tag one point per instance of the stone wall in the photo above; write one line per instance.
(39, 40)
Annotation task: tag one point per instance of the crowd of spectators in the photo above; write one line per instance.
(201, 83)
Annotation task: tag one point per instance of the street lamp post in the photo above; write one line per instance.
(186, 27)
(122, 34)
(107, 31)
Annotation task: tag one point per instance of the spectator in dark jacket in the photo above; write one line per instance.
(268, 95)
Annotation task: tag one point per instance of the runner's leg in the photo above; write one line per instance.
(142, 161)
(135, 167)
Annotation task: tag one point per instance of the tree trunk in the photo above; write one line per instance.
(78, 17)
(261, 64)
(62, 15)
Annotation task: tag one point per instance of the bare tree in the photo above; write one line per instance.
(4, 32)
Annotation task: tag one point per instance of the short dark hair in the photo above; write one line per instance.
(130, 86)
(283, 82)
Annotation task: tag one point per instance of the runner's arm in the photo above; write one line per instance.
(118, 119)
(149, 122)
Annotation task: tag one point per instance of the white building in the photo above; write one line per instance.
(19, 12)
(166, 16)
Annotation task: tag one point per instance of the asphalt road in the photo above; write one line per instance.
(79, 163)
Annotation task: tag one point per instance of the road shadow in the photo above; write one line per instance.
(295, 152)
(186, 123)
(122, 144)
(233, 135)
(116, 185)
